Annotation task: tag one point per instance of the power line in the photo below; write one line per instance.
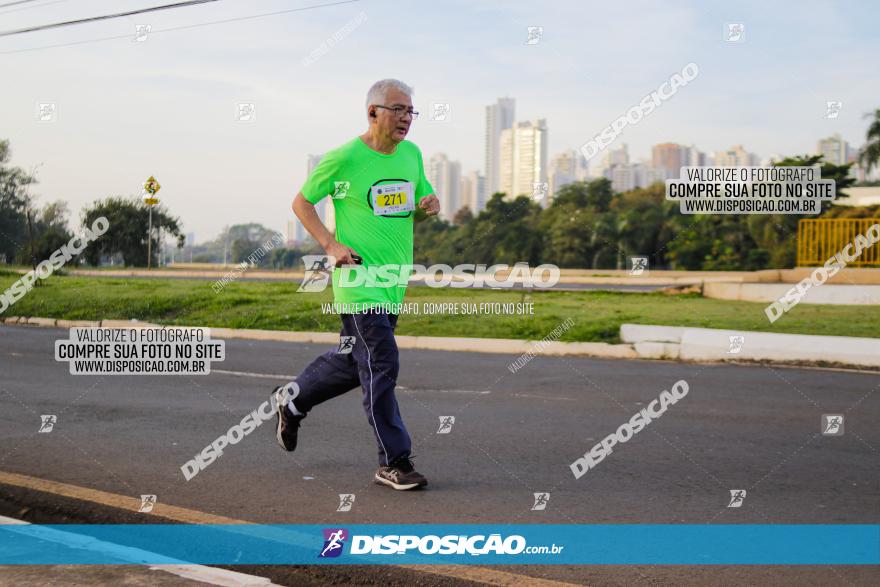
(14, 3)
(190, 26)
(31, 7)
(104, 17)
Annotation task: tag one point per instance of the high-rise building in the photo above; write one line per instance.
(291, 233)
(623, 177)
(629, 176)
(499, 116)
(697, 158)
(505, 163)
(565, 168)
(480, 195)
(668, 159)
(834, 150)
(647, 174)
(523, 157)
(445, 176)
(619, 156)
(473, 192)
(466, 192)
(736, 157)
(600, 166)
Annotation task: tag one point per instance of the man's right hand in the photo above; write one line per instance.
(342, 253)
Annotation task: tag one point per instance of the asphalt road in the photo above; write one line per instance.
(739, 427)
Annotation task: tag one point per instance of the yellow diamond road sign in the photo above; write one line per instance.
(151, 187)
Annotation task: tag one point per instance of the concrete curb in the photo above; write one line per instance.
(704, 345)
(709, 344)
(435, 343)
(836, 294)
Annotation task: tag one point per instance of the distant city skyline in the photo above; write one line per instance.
(615, 164)
(469, 190)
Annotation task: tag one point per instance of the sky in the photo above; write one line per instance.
(166, 106)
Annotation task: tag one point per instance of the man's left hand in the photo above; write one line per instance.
(430, 204)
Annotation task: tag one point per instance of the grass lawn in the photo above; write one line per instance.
(597, 316)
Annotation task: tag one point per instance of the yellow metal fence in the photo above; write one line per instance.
(821, 238)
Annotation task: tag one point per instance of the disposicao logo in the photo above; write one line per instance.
(334, 542)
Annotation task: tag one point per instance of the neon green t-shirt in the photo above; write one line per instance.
(347, 174)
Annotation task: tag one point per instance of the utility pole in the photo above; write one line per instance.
(31, 237)
(30, 217)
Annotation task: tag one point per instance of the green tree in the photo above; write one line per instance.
(252, 231)
(463, 216)
(242, 248)
(596, 194)
(775, 235)
(869, 156)
(567, 234)
(433, 241)
(518, 236)
(644, 223)
(220, 249)
(507, 231)
(691, 245)
(713, 242)
(276, 257)
(839, 173)
(127, 233)
(14, 201)
(50, 230)
(579, 228)
(291, 258)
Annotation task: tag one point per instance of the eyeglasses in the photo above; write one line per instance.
(400, 110)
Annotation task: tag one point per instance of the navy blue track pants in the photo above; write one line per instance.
(367, 356)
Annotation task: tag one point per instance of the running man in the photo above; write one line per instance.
(378, 188)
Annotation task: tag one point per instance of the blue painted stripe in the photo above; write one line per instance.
(616, 544)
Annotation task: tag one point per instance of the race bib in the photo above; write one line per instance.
(392, 198)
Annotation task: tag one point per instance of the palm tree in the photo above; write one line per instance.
(870, 155)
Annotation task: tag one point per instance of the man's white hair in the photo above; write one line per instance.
(379, 90)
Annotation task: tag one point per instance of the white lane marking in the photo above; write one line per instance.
(812, 368)
(293, 378)
(408, 390)
(210, 575)
(259, 375)
(530, 396)
(215, 576)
